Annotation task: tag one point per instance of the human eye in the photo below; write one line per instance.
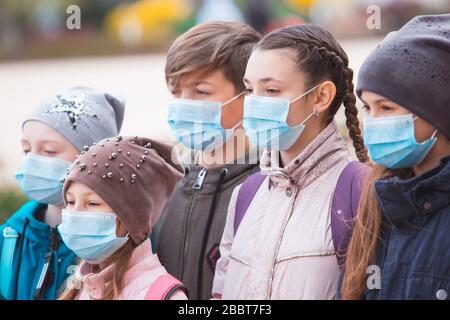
(272, 91)
(200, 92)
(386, 108)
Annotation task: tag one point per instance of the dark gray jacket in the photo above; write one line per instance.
(187, 236)
(413, 256)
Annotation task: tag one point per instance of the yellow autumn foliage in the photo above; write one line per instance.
(300, 4)
(145, 21)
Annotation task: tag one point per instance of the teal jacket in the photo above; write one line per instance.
(37, 243)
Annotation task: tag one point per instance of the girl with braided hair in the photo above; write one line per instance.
(288, 227)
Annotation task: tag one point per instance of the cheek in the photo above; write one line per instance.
(232, 113)
(104, 207)
(120, 229)
(107, 208)
(68, 154)
(297, 113)
(423, 131)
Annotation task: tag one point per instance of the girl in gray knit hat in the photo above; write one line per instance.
(400, 243)
(34, 261)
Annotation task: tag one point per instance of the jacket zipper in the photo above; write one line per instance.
(291, 211)
(46, 271)
(197, 186)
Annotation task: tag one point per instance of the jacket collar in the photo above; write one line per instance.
(95, 283)
(213, 175)
(323, 153)
(412, 201)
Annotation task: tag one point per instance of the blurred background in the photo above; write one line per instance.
(121, 48)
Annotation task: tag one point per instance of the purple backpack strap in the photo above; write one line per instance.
(345, 206)
(245, 196)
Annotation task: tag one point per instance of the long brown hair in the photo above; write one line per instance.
(366, 234)
(121, 259)
(320, 57)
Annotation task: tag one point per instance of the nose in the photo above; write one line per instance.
(185, 95)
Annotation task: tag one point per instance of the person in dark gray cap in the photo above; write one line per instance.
(400, 243)
(33, 260)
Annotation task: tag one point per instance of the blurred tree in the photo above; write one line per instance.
(258, 14)
(95, 12)
(10, 200)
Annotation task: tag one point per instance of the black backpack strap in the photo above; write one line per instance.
(174, 289)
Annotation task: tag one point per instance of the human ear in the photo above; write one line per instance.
(324, 96)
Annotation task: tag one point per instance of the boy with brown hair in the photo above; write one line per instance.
(204, 71)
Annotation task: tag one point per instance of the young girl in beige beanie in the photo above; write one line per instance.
(114, 193)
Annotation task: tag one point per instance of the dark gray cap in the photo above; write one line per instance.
(82, 115)
(411, 67)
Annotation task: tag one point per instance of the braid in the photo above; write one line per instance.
(351, 113)
(344, 95)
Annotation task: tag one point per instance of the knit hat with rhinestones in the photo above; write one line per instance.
(135, 176)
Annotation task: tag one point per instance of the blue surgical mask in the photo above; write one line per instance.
(197, 123)
(391, 141)
(90, 235)
(40, 178)
(265, 121)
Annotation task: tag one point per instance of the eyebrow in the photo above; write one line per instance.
(264, 80)
(377, 100)
(382, 100)
(84, 193)
(43, 141)
(196, 83)
(364, 102)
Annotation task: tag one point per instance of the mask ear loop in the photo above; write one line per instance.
(232, 99)
(435, 130)
(314, 113)
(434, 133)
(310, 90)
(126, 236)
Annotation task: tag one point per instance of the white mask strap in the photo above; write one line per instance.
(434, 134)
(237, 125)
(298, 98)
(315, 113)
(232, 99)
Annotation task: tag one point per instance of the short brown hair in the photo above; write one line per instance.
(224, 45)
